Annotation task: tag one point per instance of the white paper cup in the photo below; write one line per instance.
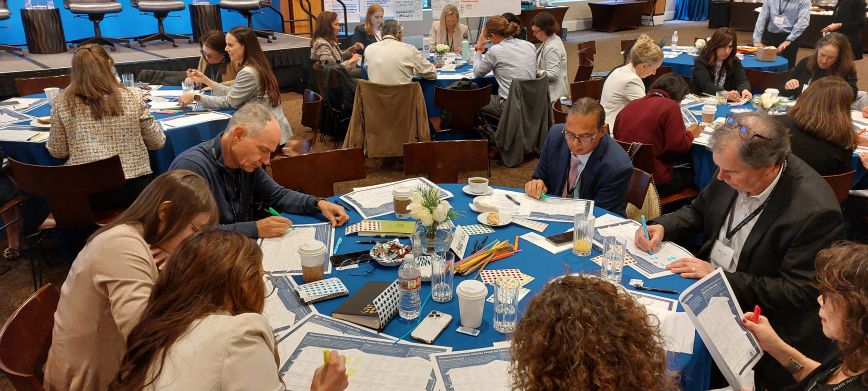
(708, 112)
(312, 254)
(773, 92)
(478, 184)
(51, 93)
(471, 299)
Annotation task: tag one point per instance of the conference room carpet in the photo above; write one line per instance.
(16, 285)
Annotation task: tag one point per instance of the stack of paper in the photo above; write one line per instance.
(373, 201)
(280, 254)
(476, 369)
(192, 119)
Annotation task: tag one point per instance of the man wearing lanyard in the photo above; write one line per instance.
(764, 218)
(780, 23)
(580, 160)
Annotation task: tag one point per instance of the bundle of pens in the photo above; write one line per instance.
(495, 251)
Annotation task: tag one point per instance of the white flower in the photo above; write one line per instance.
(414, 205)
(700, 43)
(768, 100)
(425, 217)
(441, 48)
(416, 198)
(441, 212)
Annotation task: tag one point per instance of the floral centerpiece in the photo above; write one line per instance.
(441, 48)
(427, 207)
(699, 44)
(767, 101)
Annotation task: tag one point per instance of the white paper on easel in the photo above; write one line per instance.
(352, 9)
(459, 242)
(388, 7)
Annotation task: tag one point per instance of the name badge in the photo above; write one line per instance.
(778, 20)
(722, 256)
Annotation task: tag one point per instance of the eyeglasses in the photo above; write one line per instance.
(583, 138)
(211, 56)
(195, 228)
(746, 133)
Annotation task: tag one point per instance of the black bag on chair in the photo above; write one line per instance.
(154, 76)
(463, 84)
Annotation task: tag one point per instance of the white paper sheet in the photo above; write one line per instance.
(23, 136)
(187, 120)
(676, 330)
(472, 370)
(165, 105)
(373, 201)
(166, 93)
(541, 242)
(280, 254)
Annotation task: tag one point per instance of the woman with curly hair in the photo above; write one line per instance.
(584, 333)
(842, 272)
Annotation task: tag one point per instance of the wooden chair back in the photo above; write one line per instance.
(587, 49)
(627, 44)
(441, 161)
(642, 155)
(583, 72)
(841, 184)
(760, 80)
(463, 104)
(311, 104)
(559, 112)
(67, 188)
(638, 188)
(26, 338)
(35, 85)
(316, 173)
(591, 88)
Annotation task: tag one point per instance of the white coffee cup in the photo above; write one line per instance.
(708, 112)
(773, 92)
(313, 257)
(51, 93)
(478, 184)
(471, 300)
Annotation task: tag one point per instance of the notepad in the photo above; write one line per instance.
(382, 228)
(313, 292)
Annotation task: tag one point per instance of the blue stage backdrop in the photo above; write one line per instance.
(130, 22)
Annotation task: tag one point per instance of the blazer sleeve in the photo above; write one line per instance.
(245, 88)
(542, 166)
(57, 144)
(551, 64)
(703, 79)
(738, 76)
(612, 193)
(152, 134)
(250, 360)
(687, 220)
(432, 35)
(360, 35)
(801, 74)
(634, 89)
(851, 80)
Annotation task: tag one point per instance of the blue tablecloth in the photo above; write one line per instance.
(177, 140)
(695, 369)
(704, 167)
(683, 64)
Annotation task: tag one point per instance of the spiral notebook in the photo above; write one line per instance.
(313, 292)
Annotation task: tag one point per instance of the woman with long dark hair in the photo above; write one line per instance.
(255, 81)
(718, 69)
(109, 283)
(214, 65)
(833, 57)
(203, 327)
(324, 46)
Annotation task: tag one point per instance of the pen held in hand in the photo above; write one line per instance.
(647, 237)
(274, 213)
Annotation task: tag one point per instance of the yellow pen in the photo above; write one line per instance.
(325, 357)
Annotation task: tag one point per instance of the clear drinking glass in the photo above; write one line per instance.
(129, 79)
(187, 86)
(721, 97)
(442, 268)
(505, 303)
(583, 234)
(614, 250)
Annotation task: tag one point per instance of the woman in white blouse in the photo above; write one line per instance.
(551, 56)
(447, 30)
(624, 84)
(203, 328)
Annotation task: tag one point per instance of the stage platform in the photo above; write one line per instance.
(289, 55)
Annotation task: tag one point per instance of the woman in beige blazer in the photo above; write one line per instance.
(111, 279)
(203, 327)
(448, 31)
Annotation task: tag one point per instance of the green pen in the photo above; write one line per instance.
(274, 213)
(544, 196)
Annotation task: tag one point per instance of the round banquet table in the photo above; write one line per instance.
(683, 64)
(694, 368)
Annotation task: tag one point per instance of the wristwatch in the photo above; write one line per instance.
(197, 97)
(793, 366)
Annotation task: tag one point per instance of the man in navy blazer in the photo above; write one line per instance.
(602, 169)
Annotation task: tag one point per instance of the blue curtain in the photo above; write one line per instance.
(692, 9)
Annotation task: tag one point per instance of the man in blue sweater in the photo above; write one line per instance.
(232, 164)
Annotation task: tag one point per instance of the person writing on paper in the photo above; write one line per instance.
(255, 81)
(391, 61)
(324, 47)
(448, 31)
(833, 57)
(583, 333)
(203, 326)
(110, 281)
(625, 84)
(781, 23)
(370, 32)
(718, 69)
(551, 57)
(215, 63)
(232, 164)
(764, 217)
(842, 274)
(580, 160)
(96, 117)
(509, 58)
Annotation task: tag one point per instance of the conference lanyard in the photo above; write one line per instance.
(837, 387)
(782, 7)
(732, 231)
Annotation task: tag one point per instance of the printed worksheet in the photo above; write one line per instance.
(472, 370)
(649, 265)
(283, 307)
(373, 201)
(280, 254)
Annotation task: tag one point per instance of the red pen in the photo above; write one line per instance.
(756, 313)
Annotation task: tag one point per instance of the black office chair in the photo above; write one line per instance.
(4, 14)
(96, 10)
(246, 8)
(160, 9)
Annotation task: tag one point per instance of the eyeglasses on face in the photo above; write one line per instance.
(571, 138)
(745, 132)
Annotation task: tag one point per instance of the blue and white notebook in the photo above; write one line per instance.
(313, 292)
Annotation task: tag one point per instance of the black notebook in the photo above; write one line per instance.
(372, 306)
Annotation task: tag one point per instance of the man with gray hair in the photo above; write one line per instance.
(232, 164)
(392, 61)
(764, 218)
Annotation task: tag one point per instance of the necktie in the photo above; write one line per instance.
(574, 173)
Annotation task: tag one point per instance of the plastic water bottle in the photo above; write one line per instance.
(426, 46)
(27, 4)
(465, 50)
(675, 41)
(409, 283)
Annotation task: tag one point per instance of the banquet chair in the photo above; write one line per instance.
(384, 117)
(5, 14)
(441, 161)
(160, 9)
(316, 173)
(26, 338)
(589, 50)
(642, 197)
(96, 10)
(311, 105)
(463, 105)
(626, 44)
(760, 80)
(841, 184)
(559, 112)
(662, 70)
(246, 9)
(591, 88)
(36, 85)
(583, 71)
(642, 156)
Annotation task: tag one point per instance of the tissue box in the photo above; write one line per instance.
(767, 53)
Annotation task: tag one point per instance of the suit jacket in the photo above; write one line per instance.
(621, 87)
(604, 179)
(525, 120)
(223, 352)
(703, 79)
(384, 135)
(805, 76)
(851, 15)
(551, 59)
(460, 33)
(776, 264)
(362, 36)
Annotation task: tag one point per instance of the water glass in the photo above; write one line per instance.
(442, 269)
(583, 234)
(506, 303)
(614, 251)
(187, 86)
(50, 94)
(128, 79)
(721, 97)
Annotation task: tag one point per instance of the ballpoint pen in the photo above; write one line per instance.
(512, 199)
(366, 242)
(661, 290)
(647, 237)
(338, 245)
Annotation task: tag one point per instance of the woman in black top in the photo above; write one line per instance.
(842, 274)
(369, 32)
(833, 57)
(848, 19)
(821, 133)
(718, 69)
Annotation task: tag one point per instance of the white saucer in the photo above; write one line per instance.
(466, 189)
(504, 220)
(34, 123)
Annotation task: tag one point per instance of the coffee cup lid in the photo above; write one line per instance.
(471, 289)
(402, 191)
(311, 247)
